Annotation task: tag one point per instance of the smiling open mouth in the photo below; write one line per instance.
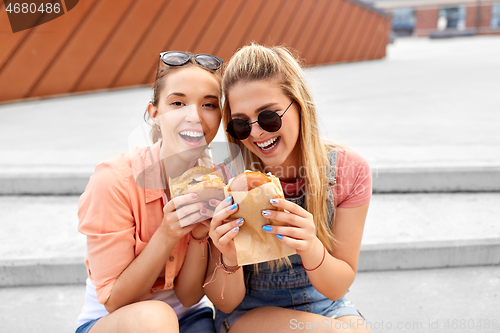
(192, 137)
(269, 144)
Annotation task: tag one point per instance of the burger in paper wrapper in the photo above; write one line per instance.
(252, 191)
(205, 182)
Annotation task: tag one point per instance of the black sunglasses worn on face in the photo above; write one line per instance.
(268, 120)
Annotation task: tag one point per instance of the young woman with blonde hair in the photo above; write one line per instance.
(269, 114)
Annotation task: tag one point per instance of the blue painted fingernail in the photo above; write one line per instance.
(279, 236)
(273, 201)
(266, 213)
(229, 198)
(235, 230)
(239, 221)
(233, 206)
(267, 228)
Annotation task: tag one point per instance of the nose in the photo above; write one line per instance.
(192, 114)
(256, 131)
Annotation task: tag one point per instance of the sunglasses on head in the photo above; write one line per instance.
(268, 120)
(178, 58)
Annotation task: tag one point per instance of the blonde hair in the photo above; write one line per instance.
(260, 63)
(159, 84)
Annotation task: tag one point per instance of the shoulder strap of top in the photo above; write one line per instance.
(227, 163)
(332, 162)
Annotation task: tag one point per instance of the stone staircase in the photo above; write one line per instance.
(431, 246)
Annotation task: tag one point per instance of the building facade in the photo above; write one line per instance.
(442, 18)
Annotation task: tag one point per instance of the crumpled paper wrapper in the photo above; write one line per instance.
(254, 245)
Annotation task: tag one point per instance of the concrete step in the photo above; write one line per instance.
(40, 244)
(72, 181)
(455, 300)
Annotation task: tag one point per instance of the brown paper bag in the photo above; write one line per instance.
(254, 245)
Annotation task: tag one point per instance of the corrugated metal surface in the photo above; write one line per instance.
(103, 44)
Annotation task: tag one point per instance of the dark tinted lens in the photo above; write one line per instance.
(269, 121)
(175, 58)
(238, 129)
(209, 61)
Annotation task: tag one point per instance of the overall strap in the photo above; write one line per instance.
(332, 162)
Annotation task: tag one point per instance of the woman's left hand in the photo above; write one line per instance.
(300, 233)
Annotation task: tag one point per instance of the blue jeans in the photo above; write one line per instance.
(288, 288)
(200, 320)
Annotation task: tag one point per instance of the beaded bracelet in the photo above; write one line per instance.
(324, 254)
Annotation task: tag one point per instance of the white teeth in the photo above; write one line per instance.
(267, 143)
(192, 134)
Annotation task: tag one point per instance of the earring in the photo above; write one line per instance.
(158, 128)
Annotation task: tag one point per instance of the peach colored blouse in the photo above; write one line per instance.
(119, 212)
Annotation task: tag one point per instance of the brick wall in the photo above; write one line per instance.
(104, 44)
(425, 20)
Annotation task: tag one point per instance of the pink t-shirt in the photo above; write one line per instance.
(354, 181)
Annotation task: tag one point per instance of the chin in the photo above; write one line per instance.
(272, 161)
(192, 154)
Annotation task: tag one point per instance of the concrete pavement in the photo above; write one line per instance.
(452, 300)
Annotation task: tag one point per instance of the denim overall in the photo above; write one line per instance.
(286, 287)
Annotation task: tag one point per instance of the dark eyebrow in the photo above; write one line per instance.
(260, 109)
(184, 95)
(176, 94)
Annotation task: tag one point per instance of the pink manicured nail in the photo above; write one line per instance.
(194, 195)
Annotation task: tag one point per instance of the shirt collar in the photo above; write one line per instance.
(146, 167)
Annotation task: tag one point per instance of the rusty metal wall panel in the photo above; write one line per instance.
(105, 44)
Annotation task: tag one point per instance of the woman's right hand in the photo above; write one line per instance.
(175, 218)
(223, 229)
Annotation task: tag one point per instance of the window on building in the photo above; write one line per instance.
(452, 18)
(403, 21)
(495, 15)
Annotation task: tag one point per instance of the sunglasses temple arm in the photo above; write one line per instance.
(161, 66)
